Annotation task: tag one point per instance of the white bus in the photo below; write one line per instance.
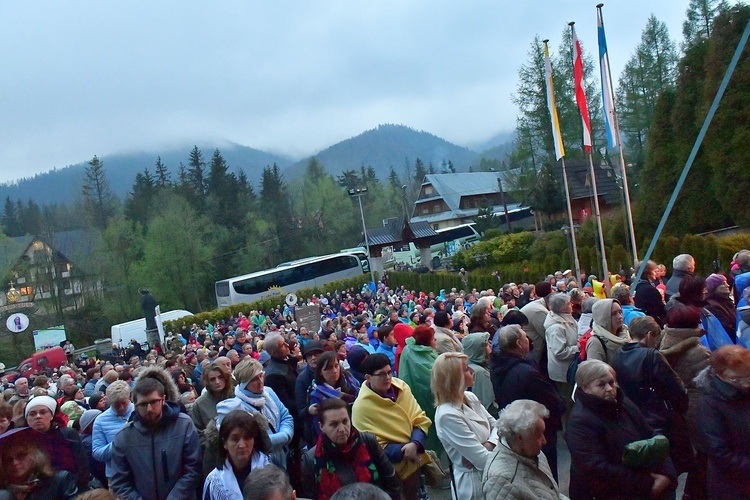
(290, 277)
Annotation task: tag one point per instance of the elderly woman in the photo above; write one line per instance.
(331, 381)
(518, 469)
(602, 423)
(343, 455)
(251, 390)
(561, 334)
(724, 422)
(242, 446)
(609, 331)
(417, 359)
(27, 472)
(463, 424)
(720, 303)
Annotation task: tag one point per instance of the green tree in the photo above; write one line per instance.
(162, 174)
(196, 176)
(649, 72)
(178, 256)
(97, 195)
(699, 19)
(122, 250)
(10, 219)
(275, 202)
(140, 200)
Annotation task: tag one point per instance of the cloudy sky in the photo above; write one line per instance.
(82, 77)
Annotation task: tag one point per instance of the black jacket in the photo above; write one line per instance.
(387, 480)
(61, 486)
(281, 377)
(301, 391)
(597, 433)
(639, 369)
(724, 428)
(515, 377)
(648, 299)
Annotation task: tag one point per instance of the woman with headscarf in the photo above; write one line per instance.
(477, 347)
(720, 303)
(602, 423)
(609, 331)
(251, 390)
(417, 359)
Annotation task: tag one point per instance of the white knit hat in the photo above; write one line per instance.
(41, 401)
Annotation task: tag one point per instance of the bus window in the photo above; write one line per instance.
(222, 289)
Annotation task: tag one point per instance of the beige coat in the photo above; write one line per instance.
(446, 340)
(536, 311)
(509, 475)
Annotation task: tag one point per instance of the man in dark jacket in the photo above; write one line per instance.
(157, 454)
(644, 375)
(515, 375)
(281, 372)
(682, 265)
(312, 350)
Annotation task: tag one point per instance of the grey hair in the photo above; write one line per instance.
(486, 301)
(118, 390)
(590, 370)
(682, 262)
(272, 343)
(508, 335)
(360, 491)
(65, 381)
(264, 483)
(622, 294)
(588, 304)
(557, 302)
(519, 418)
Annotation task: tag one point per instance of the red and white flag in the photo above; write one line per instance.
(583, 106)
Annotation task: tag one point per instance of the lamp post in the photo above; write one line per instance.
(358, 193)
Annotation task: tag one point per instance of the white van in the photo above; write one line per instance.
(123, 333)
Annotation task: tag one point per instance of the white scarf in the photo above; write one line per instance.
(262, 403)
(222, 484)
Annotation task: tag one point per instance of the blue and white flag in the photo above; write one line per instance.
(608, 102)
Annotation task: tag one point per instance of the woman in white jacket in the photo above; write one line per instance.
(464, 427)
(561, 332)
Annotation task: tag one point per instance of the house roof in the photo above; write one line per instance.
(393, 231)
(451, 187)
(469, 213)
(72, 245)
(606, 182)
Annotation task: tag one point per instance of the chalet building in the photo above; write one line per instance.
(46, 269)
(582, 194)
(448, 200)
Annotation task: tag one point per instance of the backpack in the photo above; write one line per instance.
(582, 343)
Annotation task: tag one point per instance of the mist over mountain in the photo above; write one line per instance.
(64, 184)
(381, 147)
(389, 146)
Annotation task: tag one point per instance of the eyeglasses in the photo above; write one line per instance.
(387, 374)
(145, 404)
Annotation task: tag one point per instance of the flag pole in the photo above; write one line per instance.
(560, 152)
(570, 222)
(587, 143)
(623, 166)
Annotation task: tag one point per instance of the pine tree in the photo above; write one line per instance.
(97, 196)
(649, 72)
(700, 15)
(162, 174)
(197, 171)
(10, 219)
(140, 201)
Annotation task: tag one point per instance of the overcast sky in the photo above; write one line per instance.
(79, 78)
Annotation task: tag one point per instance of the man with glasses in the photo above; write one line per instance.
(157, 454)
(387, 408)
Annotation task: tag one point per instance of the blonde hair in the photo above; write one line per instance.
(447, 380)
(246, 370)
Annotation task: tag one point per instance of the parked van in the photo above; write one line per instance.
(52, 358)
(123, 333)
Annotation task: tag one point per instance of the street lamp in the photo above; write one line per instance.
(358, 193)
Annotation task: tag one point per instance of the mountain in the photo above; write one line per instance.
(64, 184)
(386, 146)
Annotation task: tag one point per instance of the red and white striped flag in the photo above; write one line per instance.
(580, 92)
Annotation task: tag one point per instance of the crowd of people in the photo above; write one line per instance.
(464, 390)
